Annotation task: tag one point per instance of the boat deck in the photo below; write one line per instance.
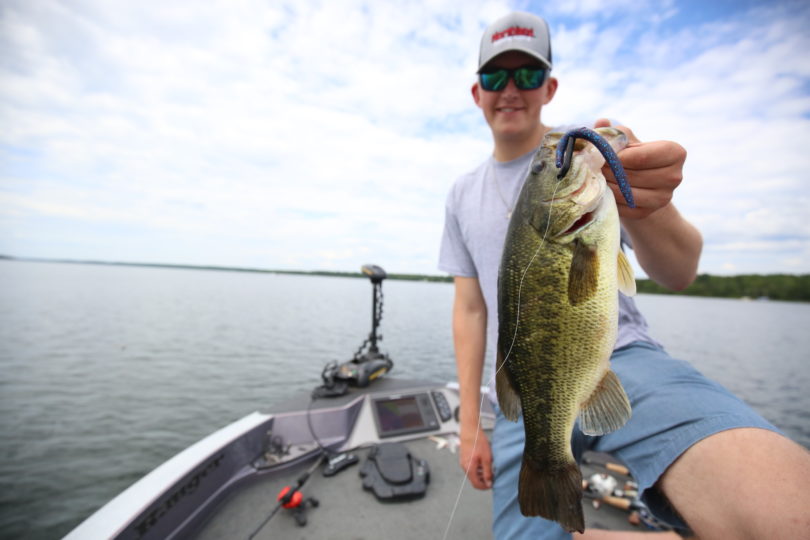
(347, 512)
(226, 485)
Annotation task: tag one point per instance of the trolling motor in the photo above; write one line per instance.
(368, 362)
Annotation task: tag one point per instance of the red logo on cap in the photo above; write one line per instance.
(513, 31)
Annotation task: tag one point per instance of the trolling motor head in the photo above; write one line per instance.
(375, 273)
(368, 362)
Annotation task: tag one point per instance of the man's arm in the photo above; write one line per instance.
(469, 339)
(666, 245)
(739, 483)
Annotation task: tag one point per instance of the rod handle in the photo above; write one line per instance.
(615, 467)
(618, 502)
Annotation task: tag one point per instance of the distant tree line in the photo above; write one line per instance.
(771, 286)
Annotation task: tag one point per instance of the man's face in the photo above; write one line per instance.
(513, 113)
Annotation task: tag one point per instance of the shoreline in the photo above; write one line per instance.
(782, 287)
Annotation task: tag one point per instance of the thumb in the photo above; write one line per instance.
(631, 137)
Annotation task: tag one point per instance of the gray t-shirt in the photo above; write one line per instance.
(476, 218)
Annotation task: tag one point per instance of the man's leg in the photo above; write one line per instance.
(742, 483)
(507, 454)
(700, 441)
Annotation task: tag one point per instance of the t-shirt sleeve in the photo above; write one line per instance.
(454, 256)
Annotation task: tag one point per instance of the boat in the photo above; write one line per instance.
(364, 455)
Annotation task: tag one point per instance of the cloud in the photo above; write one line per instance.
(734, 94)
(326, 134)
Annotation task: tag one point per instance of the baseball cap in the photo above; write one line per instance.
(517, 31)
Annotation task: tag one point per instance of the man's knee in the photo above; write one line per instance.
(742, 483)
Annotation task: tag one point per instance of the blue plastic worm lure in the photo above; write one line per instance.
(565, 151)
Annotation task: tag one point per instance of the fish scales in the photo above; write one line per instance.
(558, 318)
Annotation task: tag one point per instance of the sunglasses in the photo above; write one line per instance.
(526, 78)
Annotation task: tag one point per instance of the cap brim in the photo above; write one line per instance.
(524, 50)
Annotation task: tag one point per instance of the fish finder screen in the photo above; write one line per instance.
(399, 414)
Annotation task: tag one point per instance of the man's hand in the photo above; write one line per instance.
(475, 458)
(654, 170)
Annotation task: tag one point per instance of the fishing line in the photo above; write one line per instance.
(520, 287)
(563, 162)
(492, 378)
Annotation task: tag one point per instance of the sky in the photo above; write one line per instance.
(323, 135)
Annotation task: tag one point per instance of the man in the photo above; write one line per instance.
(691, 445)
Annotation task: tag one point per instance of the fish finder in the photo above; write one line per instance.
(404, 414)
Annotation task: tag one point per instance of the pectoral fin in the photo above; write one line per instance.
(607, 409)
(627, 281)
(583, 277)
(508, 398)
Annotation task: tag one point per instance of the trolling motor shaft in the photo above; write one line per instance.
(368, 362)
(376, 275)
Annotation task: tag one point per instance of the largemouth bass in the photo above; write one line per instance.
(560, 272)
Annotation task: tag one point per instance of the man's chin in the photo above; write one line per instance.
(511, 132)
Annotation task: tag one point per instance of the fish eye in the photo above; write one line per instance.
(538, 167)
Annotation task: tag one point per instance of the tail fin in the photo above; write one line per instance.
(552, 494)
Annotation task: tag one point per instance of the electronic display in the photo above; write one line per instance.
(400, 415)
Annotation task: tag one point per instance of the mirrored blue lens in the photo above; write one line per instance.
(529, 78)
(495, 81)
(526, 78)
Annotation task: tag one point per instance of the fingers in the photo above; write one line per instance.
(473, 469)
(652, 155)
(654, 185)
(647, 201)
(605, 122)
(478, 476)
(486, 471)
(631, 137)
(654, 170)
(476, 461)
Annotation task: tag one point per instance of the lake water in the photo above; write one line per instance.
(107, 371)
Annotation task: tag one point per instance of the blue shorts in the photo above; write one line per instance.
(674, 406)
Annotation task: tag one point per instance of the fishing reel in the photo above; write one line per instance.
(368, 362)
(294, 501)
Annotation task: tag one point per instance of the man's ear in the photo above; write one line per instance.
(476, 93)
(551, 89)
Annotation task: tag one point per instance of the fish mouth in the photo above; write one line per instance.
(569, 195)
(589, 209)
(583, 221)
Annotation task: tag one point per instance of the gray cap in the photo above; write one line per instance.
(517, 31)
